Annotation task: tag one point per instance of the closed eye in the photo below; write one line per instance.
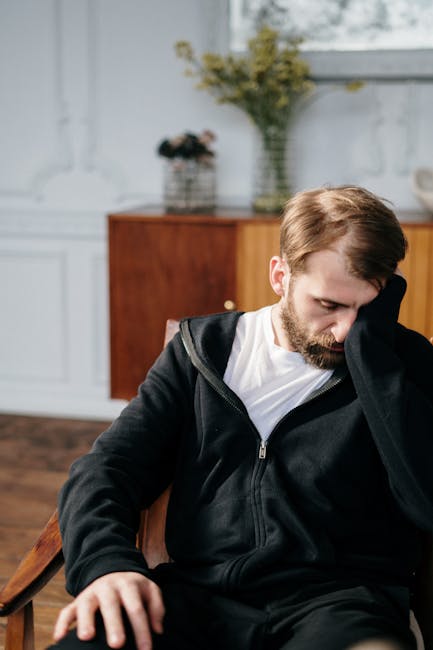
(329, 306)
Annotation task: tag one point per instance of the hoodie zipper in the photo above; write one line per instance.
(229, 396)
(235, 567)
(336, 379)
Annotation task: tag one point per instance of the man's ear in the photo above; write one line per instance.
(279, 275)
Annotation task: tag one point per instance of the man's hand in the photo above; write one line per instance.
(138, 596)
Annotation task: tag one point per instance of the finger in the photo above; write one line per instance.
(113, 623)
(64, 620)
(134, 597)
(155, 607)
(139, 621)
(86, 610)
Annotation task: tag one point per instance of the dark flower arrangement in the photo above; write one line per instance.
(189, 146)
(189, 184)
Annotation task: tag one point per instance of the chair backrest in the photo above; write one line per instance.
(151, 537)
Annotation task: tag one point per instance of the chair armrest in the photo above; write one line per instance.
(35, 570)
(46, 557)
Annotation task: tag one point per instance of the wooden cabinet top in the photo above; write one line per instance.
(244, 215)
(219, 216)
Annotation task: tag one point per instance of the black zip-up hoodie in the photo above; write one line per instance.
(340, 490)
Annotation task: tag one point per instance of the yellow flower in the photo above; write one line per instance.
(184, 50)
(260, 83)
(282, 102)
(265, 82)
(213, 62)
(354, 86)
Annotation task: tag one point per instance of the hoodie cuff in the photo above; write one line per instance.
(104, 564)
(386, 305)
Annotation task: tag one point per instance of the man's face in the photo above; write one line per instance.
(320, 305)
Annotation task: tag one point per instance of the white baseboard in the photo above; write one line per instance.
(56, 406)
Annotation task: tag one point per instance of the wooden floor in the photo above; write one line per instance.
(35, 454)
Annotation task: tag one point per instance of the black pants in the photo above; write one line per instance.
(318, 617)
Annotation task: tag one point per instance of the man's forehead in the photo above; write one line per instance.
(326, 277)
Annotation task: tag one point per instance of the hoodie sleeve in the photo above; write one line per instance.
(392, 370)
(129, 465)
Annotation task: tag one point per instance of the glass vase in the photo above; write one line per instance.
(271, 179)
(189, 186)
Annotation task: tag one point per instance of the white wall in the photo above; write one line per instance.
(88, 89)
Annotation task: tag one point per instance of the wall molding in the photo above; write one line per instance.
(62, 161)
(109, 170)
(100, 328)
(96, 408)
(59, 263)
(53, 223)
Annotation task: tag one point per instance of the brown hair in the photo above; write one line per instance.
(313, 220)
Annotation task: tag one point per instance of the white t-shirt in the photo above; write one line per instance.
(269, 380)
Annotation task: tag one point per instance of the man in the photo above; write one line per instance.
(298, 440)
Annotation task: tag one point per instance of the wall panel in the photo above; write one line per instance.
(89, 89)
(34, 323)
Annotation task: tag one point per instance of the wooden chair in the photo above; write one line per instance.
(45, 559)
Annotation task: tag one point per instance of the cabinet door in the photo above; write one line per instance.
(162, 269)
(417, 307)
(257, 243)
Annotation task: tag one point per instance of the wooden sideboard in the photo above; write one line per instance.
(172, 266)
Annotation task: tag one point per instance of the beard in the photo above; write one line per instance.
(315, 349)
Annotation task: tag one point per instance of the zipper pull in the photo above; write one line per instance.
(262, 450)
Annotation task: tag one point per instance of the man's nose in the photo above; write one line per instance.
(341, 327)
